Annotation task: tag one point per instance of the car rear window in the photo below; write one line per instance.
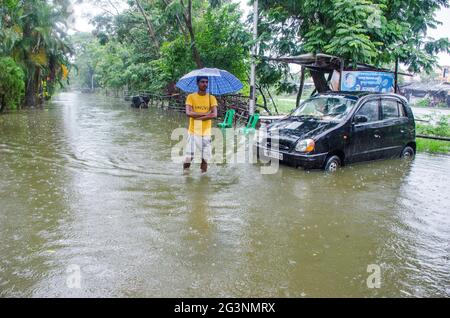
(401, 109)
(389, 109)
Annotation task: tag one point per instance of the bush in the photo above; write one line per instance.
(12, 84)
(425, 102)
(440, 128)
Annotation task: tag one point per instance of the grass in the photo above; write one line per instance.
(426, 103)
(441, 128)
(434, 146)
(286, 103)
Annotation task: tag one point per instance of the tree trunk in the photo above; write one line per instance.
(300, 88)
(188, 20)
(29, 93)
(266, 108)
(182, 28)
(31, 89)
(320, 81)
(92, 82)
(150, 29)
(2, 103)
(273, 102)
(33, 73)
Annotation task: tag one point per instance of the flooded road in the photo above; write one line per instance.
(91, 205)
(424, 113)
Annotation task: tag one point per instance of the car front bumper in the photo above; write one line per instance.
(307, 161)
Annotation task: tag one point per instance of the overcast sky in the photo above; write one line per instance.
(442, 31)
(87, 8)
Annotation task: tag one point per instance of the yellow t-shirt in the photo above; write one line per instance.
(200, 104)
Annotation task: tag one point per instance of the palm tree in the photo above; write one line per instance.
(43, 49)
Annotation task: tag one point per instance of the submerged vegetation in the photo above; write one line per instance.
(426, 102)
(434, 146)
(440, 128)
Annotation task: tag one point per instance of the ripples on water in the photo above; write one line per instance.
(89, 182)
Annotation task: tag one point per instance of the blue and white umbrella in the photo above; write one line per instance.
(220, 82)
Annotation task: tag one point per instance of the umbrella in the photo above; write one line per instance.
(220, 82)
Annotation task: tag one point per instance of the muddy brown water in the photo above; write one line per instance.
(91, 205)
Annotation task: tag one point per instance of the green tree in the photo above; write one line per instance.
(84, 45)
(34, 34)
(11, 84)
(222, 40)
(125, 55)
(364, 31)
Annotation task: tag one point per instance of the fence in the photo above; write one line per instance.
(176, 102)
(433, 137)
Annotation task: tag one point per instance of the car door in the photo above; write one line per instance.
(365, 137)
(393, 130)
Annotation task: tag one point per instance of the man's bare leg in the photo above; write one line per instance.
(204, 166)
(187, 164)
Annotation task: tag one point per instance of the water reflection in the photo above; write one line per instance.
(34, 199)
(90, 183)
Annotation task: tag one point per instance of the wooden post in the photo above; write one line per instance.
(341, 74)
(253, 65)
(300, 88)
(396, 76)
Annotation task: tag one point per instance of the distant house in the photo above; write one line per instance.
(437, 92)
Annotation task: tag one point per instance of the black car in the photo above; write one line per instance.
(332, 129)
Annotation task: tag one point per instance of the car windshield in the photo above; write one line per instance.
(327, 108)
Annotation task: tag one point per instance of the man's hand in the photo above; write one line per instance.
(210, 115)
(193, 114)
(201, 116)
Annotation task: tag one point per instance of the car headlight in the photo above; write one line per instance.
(306, 145)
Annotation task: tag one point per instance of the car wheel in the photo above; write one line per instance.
(407, 153)
(333, 163)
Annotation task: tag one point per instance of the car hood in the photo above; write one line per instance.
(291, 130)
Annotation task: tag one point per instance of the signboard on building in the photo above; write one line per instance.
(367, 81)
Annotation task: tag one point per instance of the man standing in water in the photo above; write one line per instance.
(201, 108)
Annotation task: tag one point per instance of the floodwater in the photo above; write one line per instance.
(91, 205)
(424, 112)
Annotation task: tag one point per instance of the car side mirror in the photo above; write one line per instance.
(360, 119)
